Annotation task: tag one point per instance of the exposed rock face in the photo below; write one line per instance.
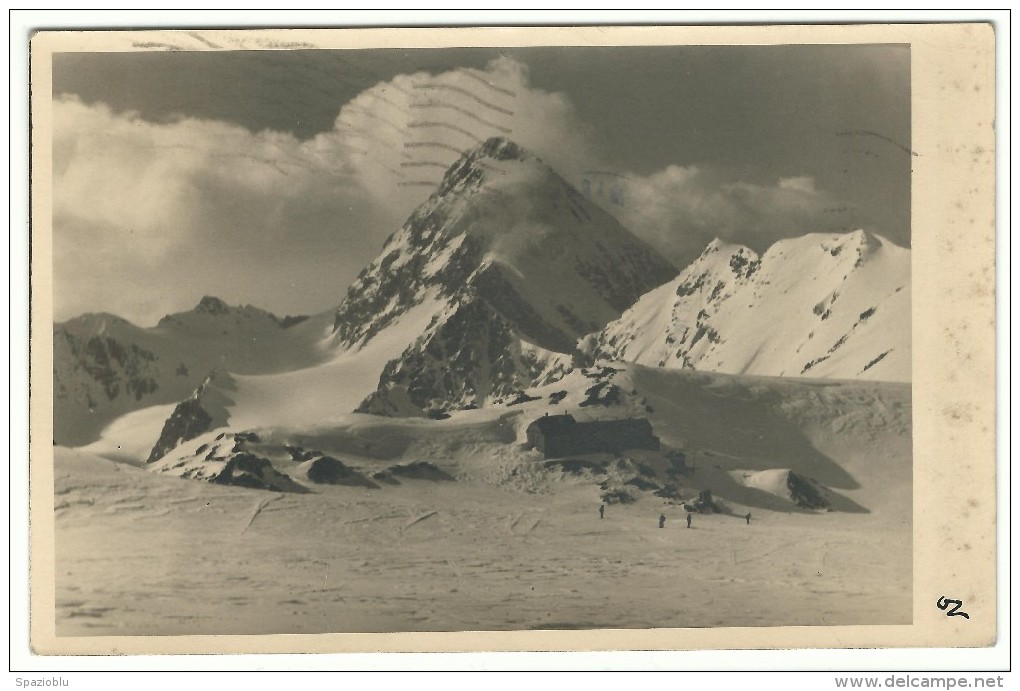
(327, 470)
(117, 367)
(188, 420)
(105, 366)
(468, 357)
(519, 265)
(806, 493)
(248, 470)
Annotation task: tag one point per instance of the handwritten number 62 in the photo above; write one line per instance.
(944, 603)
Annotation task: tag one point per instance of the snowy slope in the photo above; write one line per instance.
(821, 305)
(743, 437)
(328, 392)
(515, 542)
(303, 399)
(104, 366)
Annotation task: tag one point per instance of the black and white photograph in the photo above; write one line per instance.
(483, 338)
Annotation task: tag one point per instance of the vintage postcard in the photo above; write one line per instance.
(595, 338)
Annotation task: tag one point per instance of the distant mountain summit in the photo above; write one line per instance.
(105, 366)
(513, 262)
(212, 312)
(211, 305)
(821, 305)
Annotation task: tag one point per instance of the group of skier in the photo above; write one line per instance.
(662, 517)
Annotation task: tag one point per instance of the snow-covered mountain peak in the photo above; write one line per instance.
(819, 305)
(502, 149)
(513, 259)
(506, 228)
(720, 246)
(481, 164)
(851, 249)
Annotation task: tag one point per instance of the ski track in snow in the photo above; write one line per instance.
(258, 509)
(509, 544)
(468, 572)
(418, 519)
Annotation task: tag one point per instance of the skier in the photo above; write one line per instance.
(748, 518)
(602, 511)
(662, 520)
(689, 516)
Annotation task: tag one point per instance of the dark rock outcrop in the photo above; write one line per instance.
(472, 355)
(327, 470)
(244, 469)
(617, 496)
(806, 493)
(415, 470)
(420, 470)
(188, 420)
(232, 458)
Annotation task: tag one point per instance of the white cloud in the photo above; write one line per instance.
(150, 216)
(803, 183)
(147, 217)
(400, 136)
(679, 210)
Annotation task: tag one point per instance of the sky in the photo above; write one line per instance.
(272, 177)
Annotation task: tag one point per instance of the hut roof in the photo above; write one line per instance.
(552, 423)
